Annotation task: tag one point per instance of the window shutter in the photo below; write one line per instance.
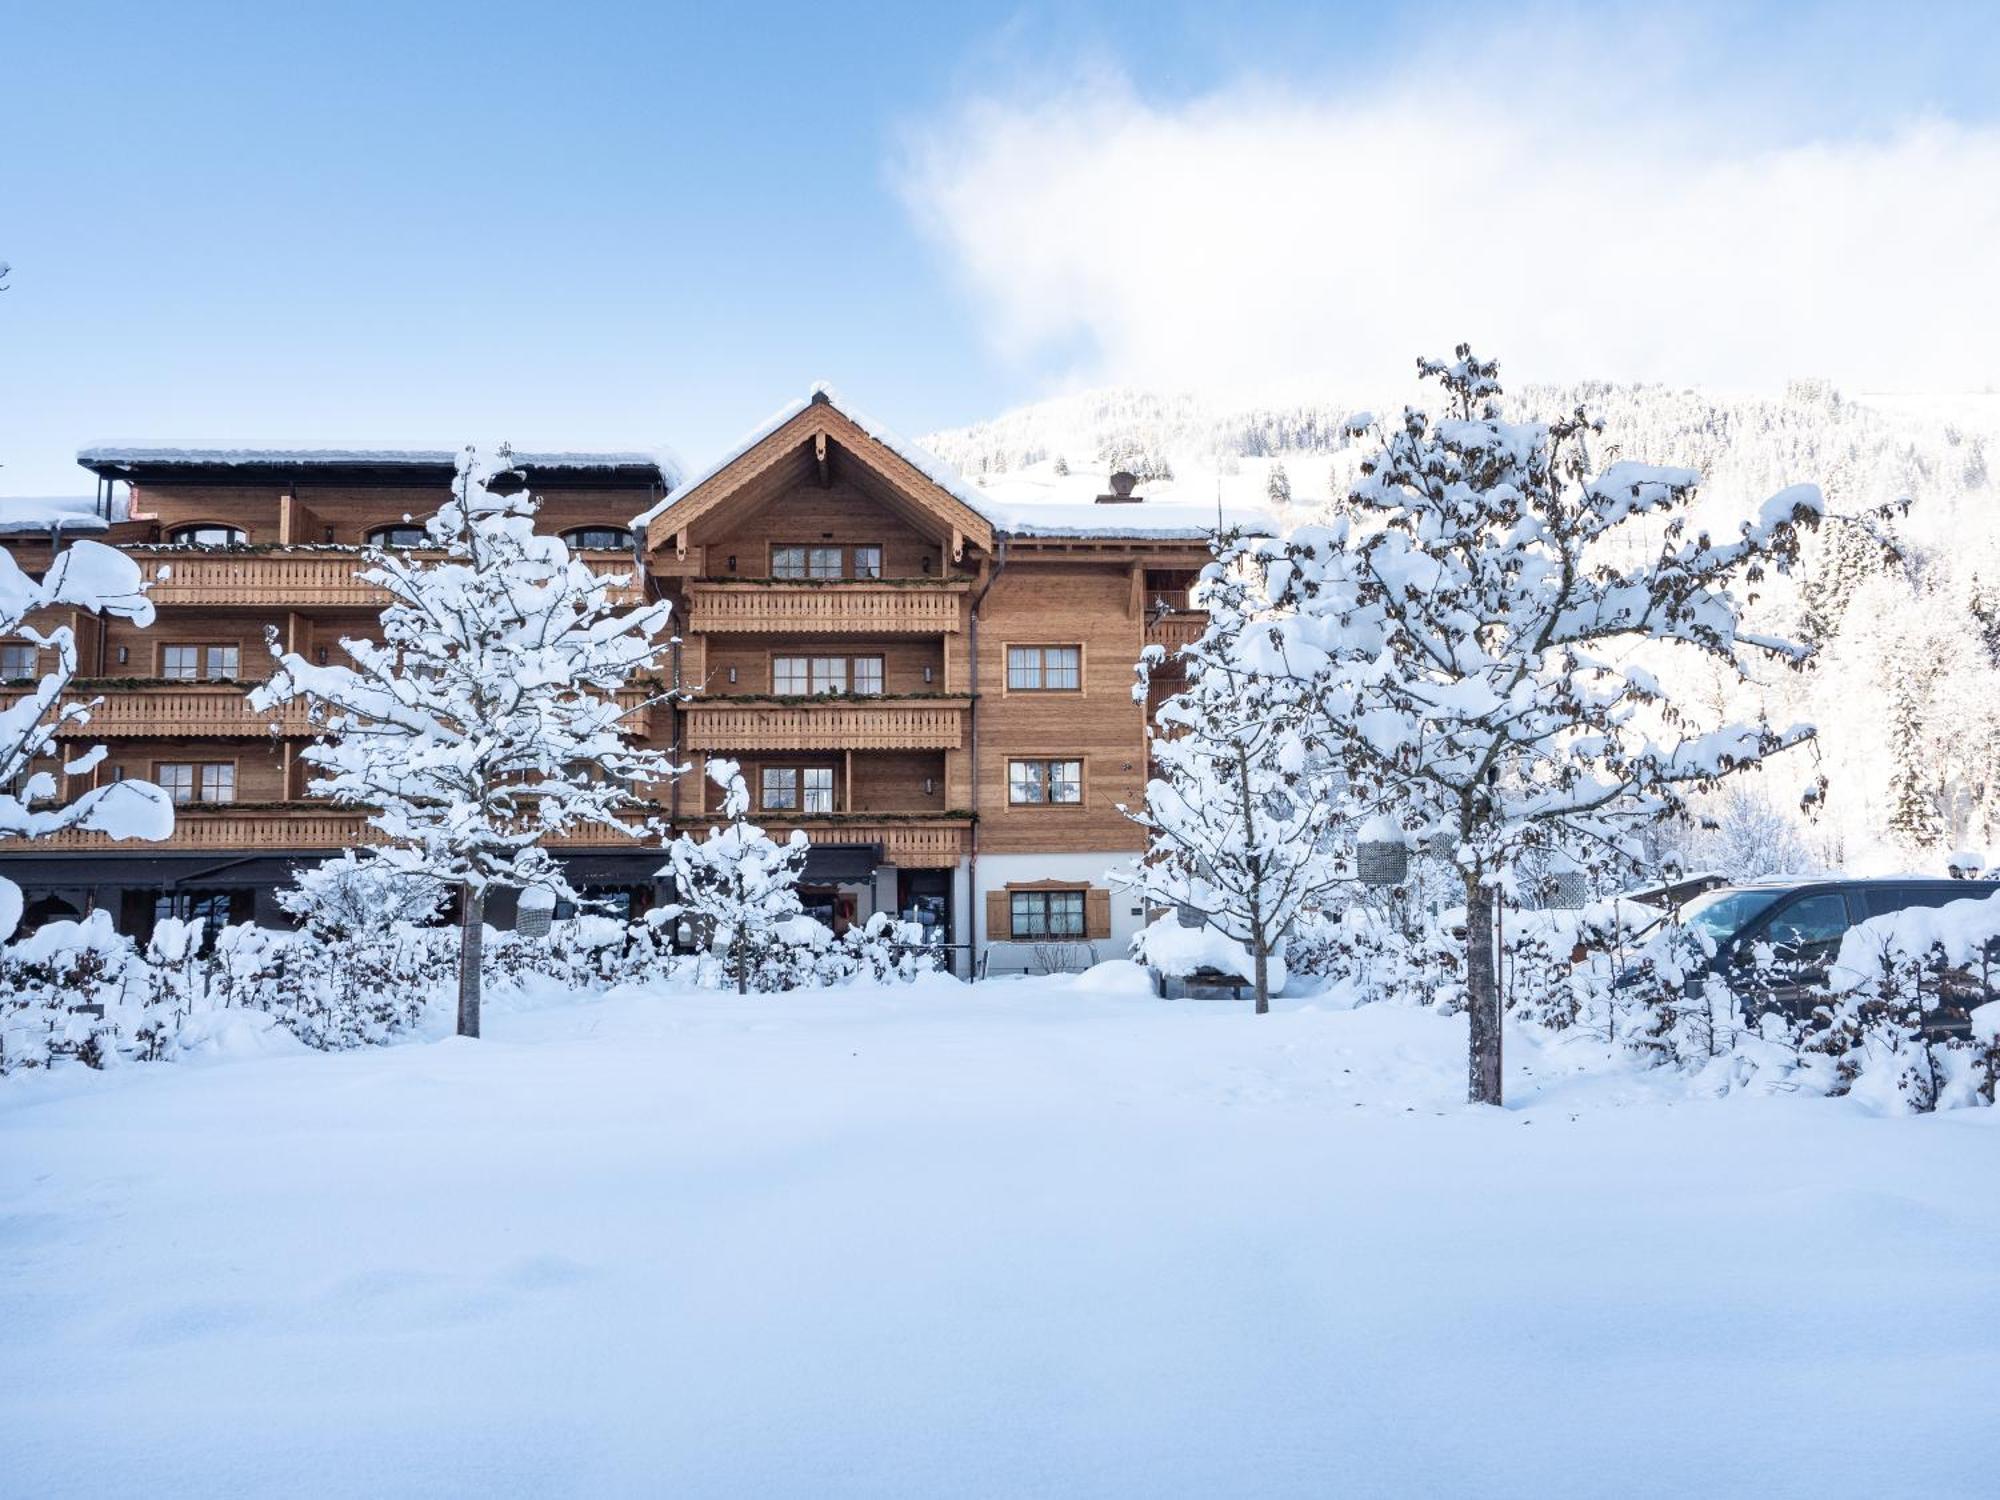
(999, 920)
(1096, 913)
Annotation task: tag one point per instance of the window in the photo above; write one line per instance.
(1044, 669)
(212, 909)
(1810, 925)
(600, 538)
(17, 660)
(198, 781)
(1046, 914)
(826, 674)
(819, 789)
(1040, 782)
(207, 663)
(826, 560)
(781, 788)
(207, 535)
(404, 536)
(798, 789)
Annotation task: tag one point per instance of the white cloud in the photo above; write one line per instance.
(1258, 235)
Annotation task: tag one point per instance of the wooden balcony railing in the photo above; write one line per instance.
(304, 579)
(826, 608)
(313, 827)
(834, 724)
(1177, 630)
(221, 710)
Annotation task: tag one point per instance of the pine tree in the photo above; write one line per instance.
(487, 717)
(86, 576)
(1913, 813)
(1239, 821)
(738, 884)
(1468, 632)
(1278, 486)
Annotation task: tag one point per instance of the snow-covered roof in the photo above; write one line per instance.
(211, 454)
(31, 513)
(1024, 505)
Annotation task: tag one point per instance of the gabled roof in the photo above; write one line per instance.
(927, 481)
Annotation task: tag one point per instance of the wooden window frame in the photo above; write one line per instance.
(201, 781)
(881, 561)
(1000, 911)
(809, 656)
(1007, 687)
(846, 551)
(174, 533)
(369, 533)
(798, 768)
(569, 534)
(34, 661)
(201, 666)
(1047, 804)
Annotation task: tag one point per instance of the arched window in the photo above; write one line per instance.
(599, 539)
(207, 535)
(399, 536)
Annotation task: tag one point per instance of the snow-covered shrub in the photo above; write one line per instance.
(738, 887)
(57, 988)
(353, 894)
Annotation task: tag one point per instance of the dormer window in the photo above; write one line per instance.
(403, 537)
(599, 539)
(207, 536)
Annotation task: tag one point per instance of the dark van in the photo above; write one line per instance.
(1804, 921)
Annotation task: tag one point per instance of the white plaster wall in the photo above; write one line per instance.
(996, 871)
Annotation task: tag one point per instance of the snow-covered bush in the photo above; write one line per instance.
(353, 894)
(738, 888)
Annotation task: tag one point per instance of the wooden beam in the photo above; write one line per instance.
(819, 458)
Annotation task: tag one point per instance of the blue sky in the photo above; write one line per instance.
(601, 224)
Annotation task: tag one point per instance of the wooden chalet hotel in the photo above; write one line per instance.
(934, 683)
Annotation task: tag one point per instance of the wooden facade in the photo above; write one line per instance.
(853, 632)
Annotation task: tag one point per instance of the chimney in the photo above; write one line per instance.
(1121, 490)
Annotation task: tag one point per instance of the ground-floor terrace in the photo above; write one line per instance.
(996, 912)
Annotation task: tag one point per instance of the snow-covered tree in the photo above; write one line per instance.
(1914, 823)
(487, 717)
(89, 576)
(1473, 637)
(1278, 484)
(1239, 822)
(738, 886)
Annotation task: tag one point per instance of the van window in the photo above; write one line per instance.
(1815, 922)
(1885, 899)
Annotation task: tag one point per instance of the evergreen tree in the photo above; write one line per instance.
(487, 717)
(1278, 486)
(1913, 813)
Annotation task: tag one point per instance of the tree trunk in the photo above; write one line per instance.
(1263, 981)
(471, 954)
(742, 950)
(1482, 995)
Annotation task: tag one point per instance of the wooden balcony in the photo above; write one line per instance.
(1177, 630)
(314, 827)
(930, 843)
(301, 578)
(826, 608)
(832, 724)
(221, 710)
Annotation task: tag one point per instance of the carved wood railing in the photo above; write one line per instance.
(305, 579)
(1177, 630)
(311, 827)
(221, 710)
(836, 724)
(826, 608)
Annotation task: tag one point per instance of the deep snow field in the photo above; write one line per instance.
(1023, 1239)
